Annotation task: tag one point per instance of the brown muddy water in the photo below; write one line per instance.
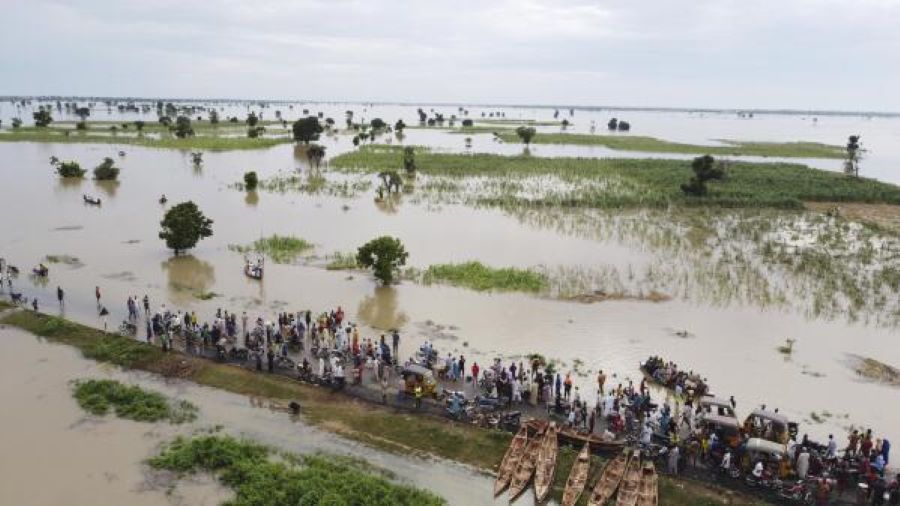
(733, 345)
(55, 453)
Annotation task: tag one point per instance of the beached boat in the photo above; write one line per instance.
(545, 469)
(609, 479)
(525, 468)
(628, 489)
(648, 490)
(570, 436)
(511, 460)
(577, 477)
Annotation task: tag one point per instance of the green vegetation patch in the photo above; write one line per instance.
(258, 480)
(342, 262)
(164, 141)
(478, 276)
(617, 182)
(98, 397)
(654, 145)
(281, 249)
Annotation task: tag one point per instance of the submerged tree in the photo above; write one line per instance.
(613, 124)
(314, 154)
(399, 126)
(252, 119)
(69, 169)
(183, 226)
(251, 180)
(385, 255)
(705, 169)
(83, 113)
(526, 134)
(307, 129)
(851, 162)
(390, 181)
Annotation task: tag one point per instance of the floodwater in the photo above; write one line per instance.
(734, 346)
(55, 453)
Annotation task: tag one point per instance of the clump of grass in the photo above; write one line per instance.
(478, 276)
(204, 295)
(98, 397)
(69, 260)
(788, 347)
(281, 249)
(342, 262)
(257, 479)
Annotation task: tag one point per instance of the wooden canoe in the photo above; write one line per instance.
(609, 479)
(525, 468)
(577, 439)
(511, 460)
(546, 465)
(628, 489)
(577, 477)
(648, 490)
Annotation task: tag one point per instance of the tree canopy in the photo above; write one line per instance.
(307, 129)
(705, 169)
(42, 118)
(183, 127)
(385, 255)
(183, 226)
(526, 133)
(106, 171)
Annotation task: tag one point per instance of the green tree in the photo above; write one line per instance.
(183, 226)
(399, 126)
(255, 131)
(251, 181)
(214, 117)
(467, 123)
(16, 122)
(314, 154)
(385, 255)
(70, 169)
(612, 124)
(252, 119)
(139, 125)
(377, 124)
(42, 118)
(307, 129)
(390, 180)
(705, 169)
(106, 171)
(409, 161)
(81, 125)
(83, 113)
(851, 162)
(183, 127)
(165, 121)
(526, 134)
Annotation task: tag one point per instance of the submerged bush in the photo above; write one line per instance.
(106, 171)
(251, 180)
(257, 480)
(70, 169)
(98, 397)
(478, 276)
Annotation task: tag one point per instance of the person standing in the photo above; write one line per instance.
(475, 371)
(146, 305)
(673, 460)
(59, 296)
(601, 380)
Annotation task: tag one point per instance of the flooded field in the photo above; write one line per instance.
(87, 457)
(737, 311)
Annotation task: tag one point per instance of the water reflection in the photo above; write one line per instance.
(380, 310)
(108, 187)
(389, 204)
(187, 277)
(69, 183)
(251, 198)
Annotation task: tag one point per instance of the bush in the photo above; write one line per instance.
(70, 169)
(183, 127)
(251, 181)
(131, 402)
(81, 125)
(526, 133)
(307, 129)
(467, 123)
(42, 118)
(106, 171)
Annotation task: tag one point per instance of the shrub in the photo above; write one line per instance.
(106, 171)
(70, 169)
(251, 181)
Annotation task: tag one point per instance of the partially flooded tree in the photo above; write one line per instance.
(139, 125)
(390, 181)
(183, 127)
(214, 117)
(83, 113)
(377, 124)
(384, 255)
(183, 226)
(705, 169)
(69, 169)
(42, 118)
(409, 161)
(851, 162)
(613, 124)
(252, 119)
(307, 129)
(315, 153)
(399, 126)
(251, 180)
(16, 122)
(107, 170)
(526, 134)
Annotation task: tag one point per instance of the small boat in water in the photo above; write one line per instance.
(525, 468)
(577, 477)
(94, 201)
(511, 460)
(609, 479)
(545, 469)
(648, 491)
(628, 489)
(253, 270)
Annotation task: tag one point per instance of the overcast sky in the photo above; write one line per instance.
(682, 53)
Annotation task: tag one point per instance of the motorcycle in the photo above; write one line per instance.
(798, 492)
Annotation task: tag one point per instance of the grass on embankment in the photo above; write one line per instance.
(98, 397)
(165, 141)
(281, 249)
(478, 276)
(654, 145)
(259, 479)
(384, 428)
(619, 182)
